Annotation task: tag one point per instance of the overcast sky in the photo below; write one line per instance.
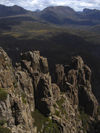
(41, 4)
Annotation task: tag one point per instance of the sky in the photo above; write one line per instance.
(78, 5)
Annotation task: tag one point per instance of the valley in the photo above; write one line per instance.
(34, 88)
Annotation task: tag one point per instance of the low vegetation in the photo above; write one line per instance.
(57, 113)
(60, 104)
(4, 130)
(85, 120)
(51, 127)
(2, 122)
(24, 97)
(3, 94)
(44, 124)
(40, 119)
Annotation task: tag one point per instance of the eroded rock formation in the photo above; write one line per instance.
(31, 103)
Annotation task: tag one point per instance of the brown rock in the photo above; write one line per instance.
(59, 75)
(77, 62)
(29, 86)
(44, 65)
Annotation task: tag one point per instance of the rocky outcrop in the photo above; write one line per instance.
(78, 84)
(16, 98)
(31, 103)
(75, 80)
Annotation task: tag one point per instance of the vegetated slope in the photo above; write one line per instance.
(26, 26)
(58, 16)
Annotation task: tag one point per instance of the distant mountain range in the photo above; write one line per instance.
(60, 15)
(66, 15)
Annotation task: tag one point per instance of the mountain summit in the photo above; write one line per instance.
(57, 14)
(11, 10)
(64, 15)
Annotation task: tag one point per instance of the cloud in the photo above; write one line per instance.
(41, 4)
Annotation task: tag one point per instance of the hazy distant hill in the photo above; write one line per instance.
(63, 15)
(91, 14)
(57, 15)
(60, 15)
(12, 10)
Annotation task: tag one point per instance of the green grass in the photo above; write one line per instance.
(40, 119)
(2, 122)
(85, 120)
(51, 127)
(62, 110)
(46, 122)
(57, 113)
(24, 97)
(3, 94)
(61, 101)
(4, 130)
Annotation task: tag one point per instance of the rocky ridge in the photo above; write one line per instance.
(30, 102)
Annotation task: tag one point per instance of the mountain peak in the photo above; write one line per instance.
(11, 10)
(86, 10)
(57, 14)
(60, 8)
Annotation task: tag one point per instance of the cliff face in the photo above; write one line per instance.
(30, 102)
(16, 103)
